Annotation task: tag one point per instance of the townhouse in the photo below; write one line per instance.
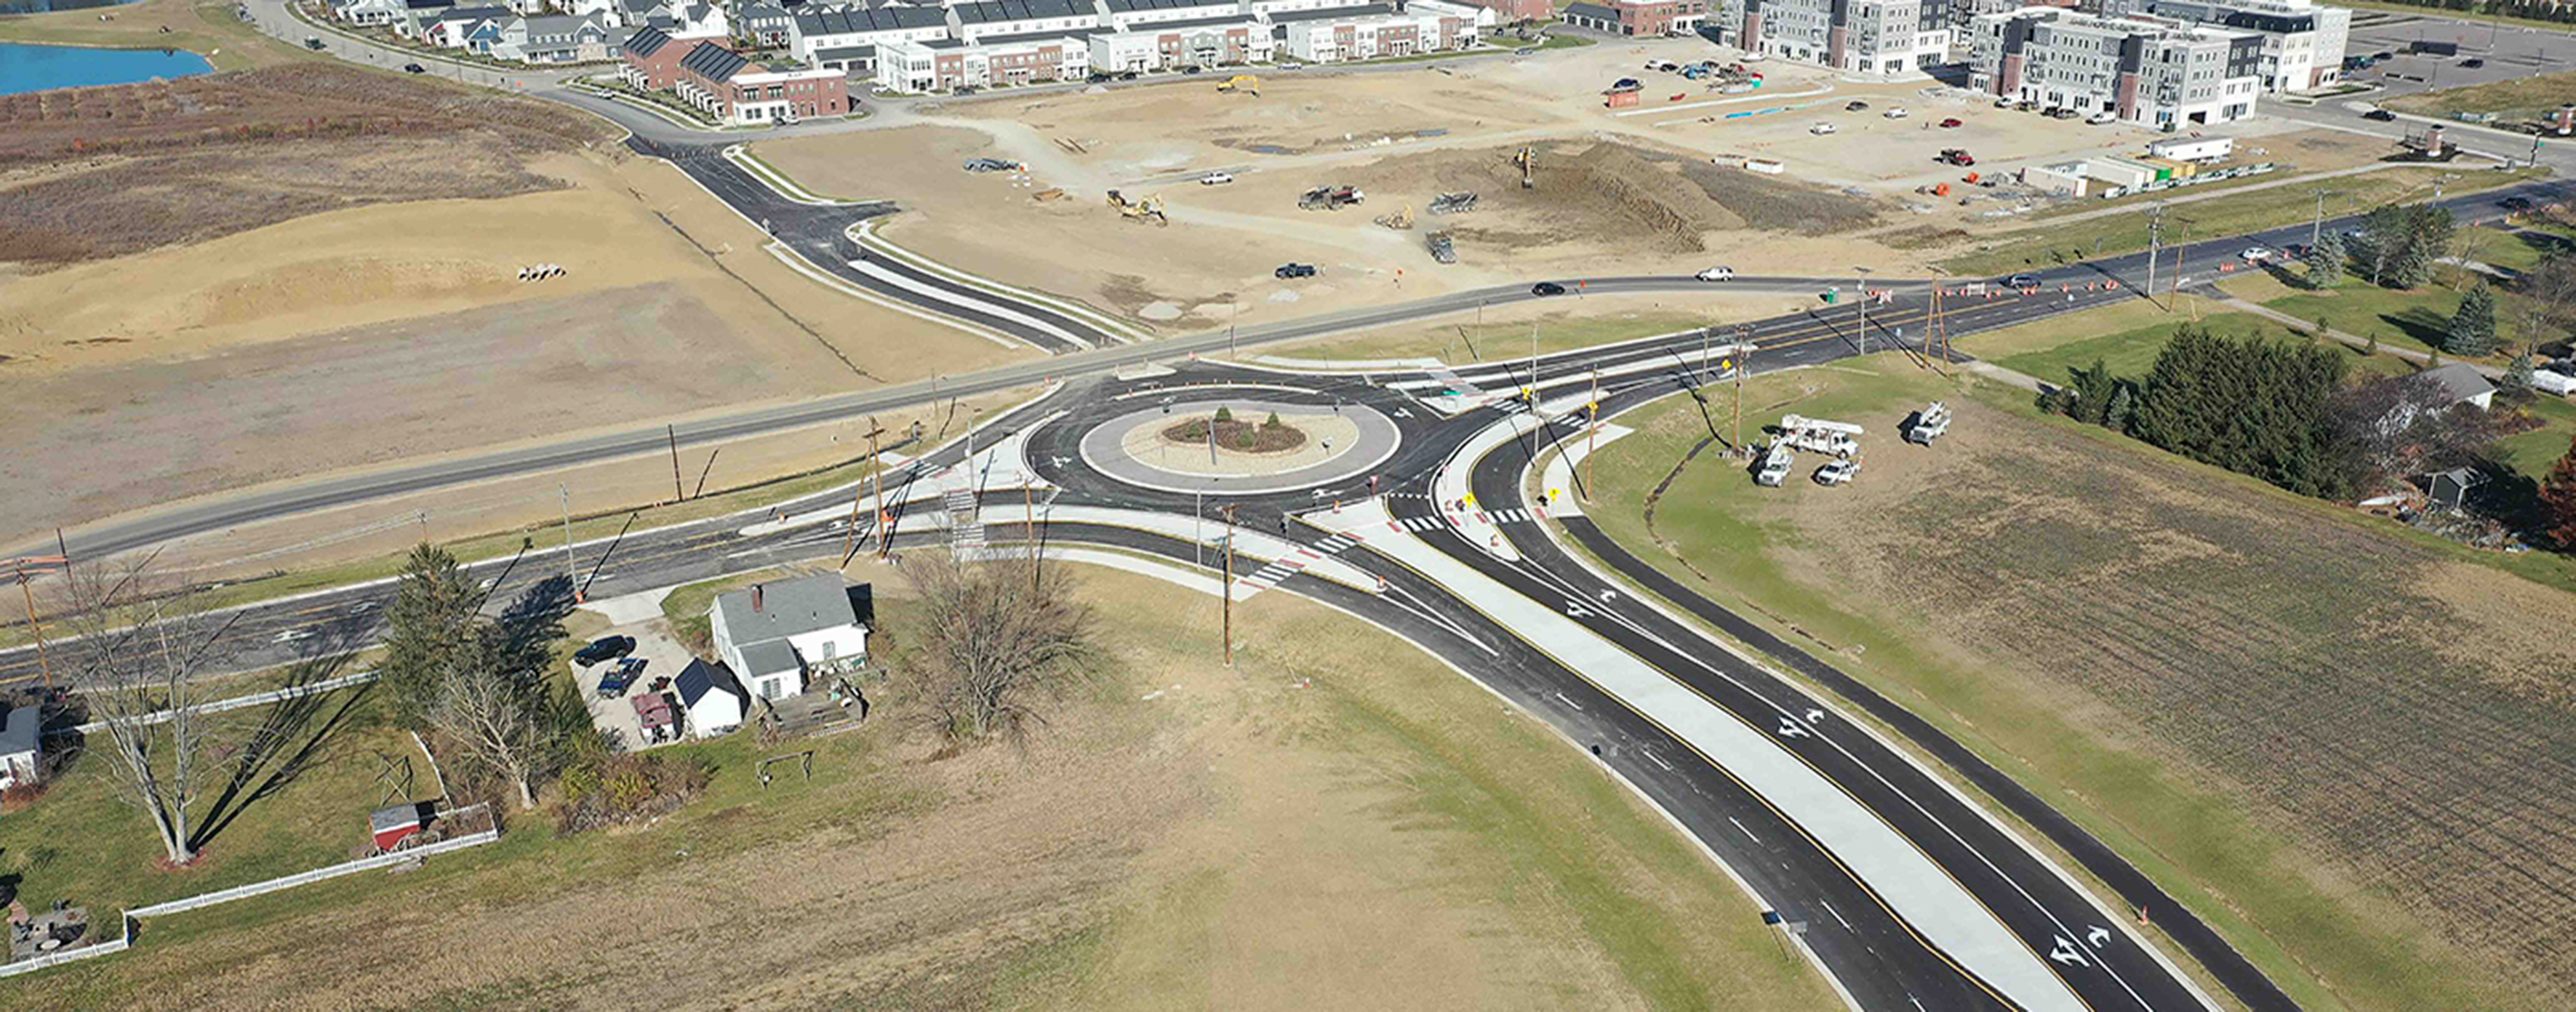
(846, 38)
(2303, 41)
(737, 92)
(1862, 36)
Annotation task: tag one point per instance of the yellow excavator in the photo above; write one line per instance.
(1243, 83)
(1141, 209)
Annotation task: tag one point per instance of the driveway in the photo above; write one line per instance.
(663, 658)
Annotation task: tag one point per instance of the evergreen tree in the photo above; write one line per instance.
(2517, 374)
(2558, 501)
(2251, 405)
(2472, 332)
(2325, 261)
(2093, 387)
(2123, 405)
(430, 629)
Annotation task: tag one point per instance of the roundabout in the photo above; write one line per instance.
(1215, 444)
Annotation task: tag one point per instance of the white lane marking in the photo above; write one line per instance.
(1561, 697)
(1656, 759)
(872, 269)
(1838, 915)
(1739, 827)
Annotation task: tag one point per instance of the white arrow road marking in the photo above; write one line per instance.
(2067, 953)
(1609, 595)
(1789, 728)
(1815, 716)
(2098, 937)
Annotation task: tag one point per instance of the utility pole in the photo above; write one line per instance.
(1743, 344)
(44, 663)
(876, 477)
(679, 492)
(1591, 435)
(2155, 248)
(569, 572)
(1226, 592)
(1863, 281)
(2317, 225)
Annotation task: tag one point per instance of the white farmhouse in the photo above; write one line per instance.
(774, 634)
(21, 742)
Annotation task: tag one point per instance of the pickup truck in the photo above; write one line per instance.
(614, 681)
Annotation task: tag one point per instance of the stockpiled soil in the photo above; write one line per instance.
(100, 172)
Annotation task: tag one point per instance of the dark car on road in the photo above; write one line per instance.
(414, 68)
(1855, 105)
(1547, 288)
(2022, 281)
(2473, 63)
(1294, 271)
(2515, 203)
(604, 648)
(2380, 115)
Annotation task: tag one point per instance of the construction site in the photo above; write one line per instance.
(1407, 183)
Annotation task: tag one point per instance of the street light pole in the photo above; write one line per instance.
(1863, 282)
(1226, 591)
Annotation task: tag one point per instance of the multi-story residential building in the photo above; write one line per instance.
(1335, 35)
(2303, 40)
(738, 92)
(948, 64)
(1129, 15)
(557, 38)
(846, 38)
(1202, 42)
(2148, 71)
(650, 58)
(1863, 36)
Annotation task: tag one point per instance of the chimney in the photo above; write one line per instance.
(755, 597)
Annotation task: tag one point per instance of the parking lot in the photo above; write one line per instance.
(2506, 52)
(663, 659)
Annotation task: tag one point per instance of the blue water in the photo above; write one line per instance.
(38, 68)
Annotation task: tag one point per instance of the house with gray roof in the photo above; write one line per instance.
(2459, 383)
(20, 744)
(557, 38)
(777, 633)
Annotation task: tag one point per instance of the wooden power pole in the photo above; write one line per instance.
(1225, 592)
(44, 664)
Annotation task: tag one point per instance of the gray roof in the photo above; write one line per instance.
(2459, 381)
(1151, 27)
(882, 19)
(18, 729)
(769, 657)
(475, 13)
(647, 41)
(787, 607)
(838, 54)
(1285, 17)
(1130, 6)
(1060, 34)
(700, 678)
(1014, 10)
(1594, 11)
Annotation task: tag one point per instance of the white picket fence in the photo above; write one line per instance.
(60, 957)
(316, 875)
(244, 892)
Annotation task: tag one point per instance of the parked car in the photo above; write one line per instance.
(2100, 118)
(1546, 288)
(1668, 67)
(2380, 115)
(1127, 75)
(1839, 472)
(1192, 69)
(2022, 281)
(1216, 179)
(313, 42)
(1855, 105)
(1294, 270)
(614, 682)
(2062, 113)
(414, 68)
(1821, 129)
(1720, 273)
(1895, 113)
(1953, 123)
(1957, 156)
(1626, 84)
(604, 648)
(2005, 103)
(1292, 65)
(1524, 50)
(2473, 63)
(2383, 56)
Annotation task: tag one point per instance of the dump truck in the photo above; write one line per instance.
(1442, 249)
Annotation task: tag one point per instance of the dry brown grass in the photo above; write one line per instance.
(98, 172)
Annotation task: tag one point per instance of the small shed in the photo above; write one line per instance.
(715, 702)
(2449, 490)
(391, 826)
(2192, 149)
(2069, 178)
(653, 714)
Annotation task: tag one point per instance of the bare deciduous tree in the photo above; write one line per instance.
(138, 656)
(500, 722)
(993, 645)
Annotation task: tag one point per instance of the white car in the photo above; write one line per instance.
(1716, 274)
(1895, 113)
(1838, 472)
(1216, 179)
(292, 635)
(2257, 254)
(1292, 65)
(2105, 116)
(1821, 129)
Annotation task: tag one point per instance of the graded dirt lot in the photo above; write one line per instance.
(1335, 822)
(2350, 747)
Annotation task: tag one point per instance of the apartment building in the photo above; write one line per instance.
(1862, 36)
(2303, 41)
(2152, 72)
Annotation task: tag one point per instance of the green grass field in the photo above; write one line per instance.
(2085, 611)
(2112, 235)
(2520, 98)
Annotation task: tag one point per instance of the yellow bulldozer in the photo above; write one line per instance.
(1140, 209)
(1241, 82)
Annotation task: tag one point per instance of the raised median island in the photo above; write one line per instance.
(1231, 434)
